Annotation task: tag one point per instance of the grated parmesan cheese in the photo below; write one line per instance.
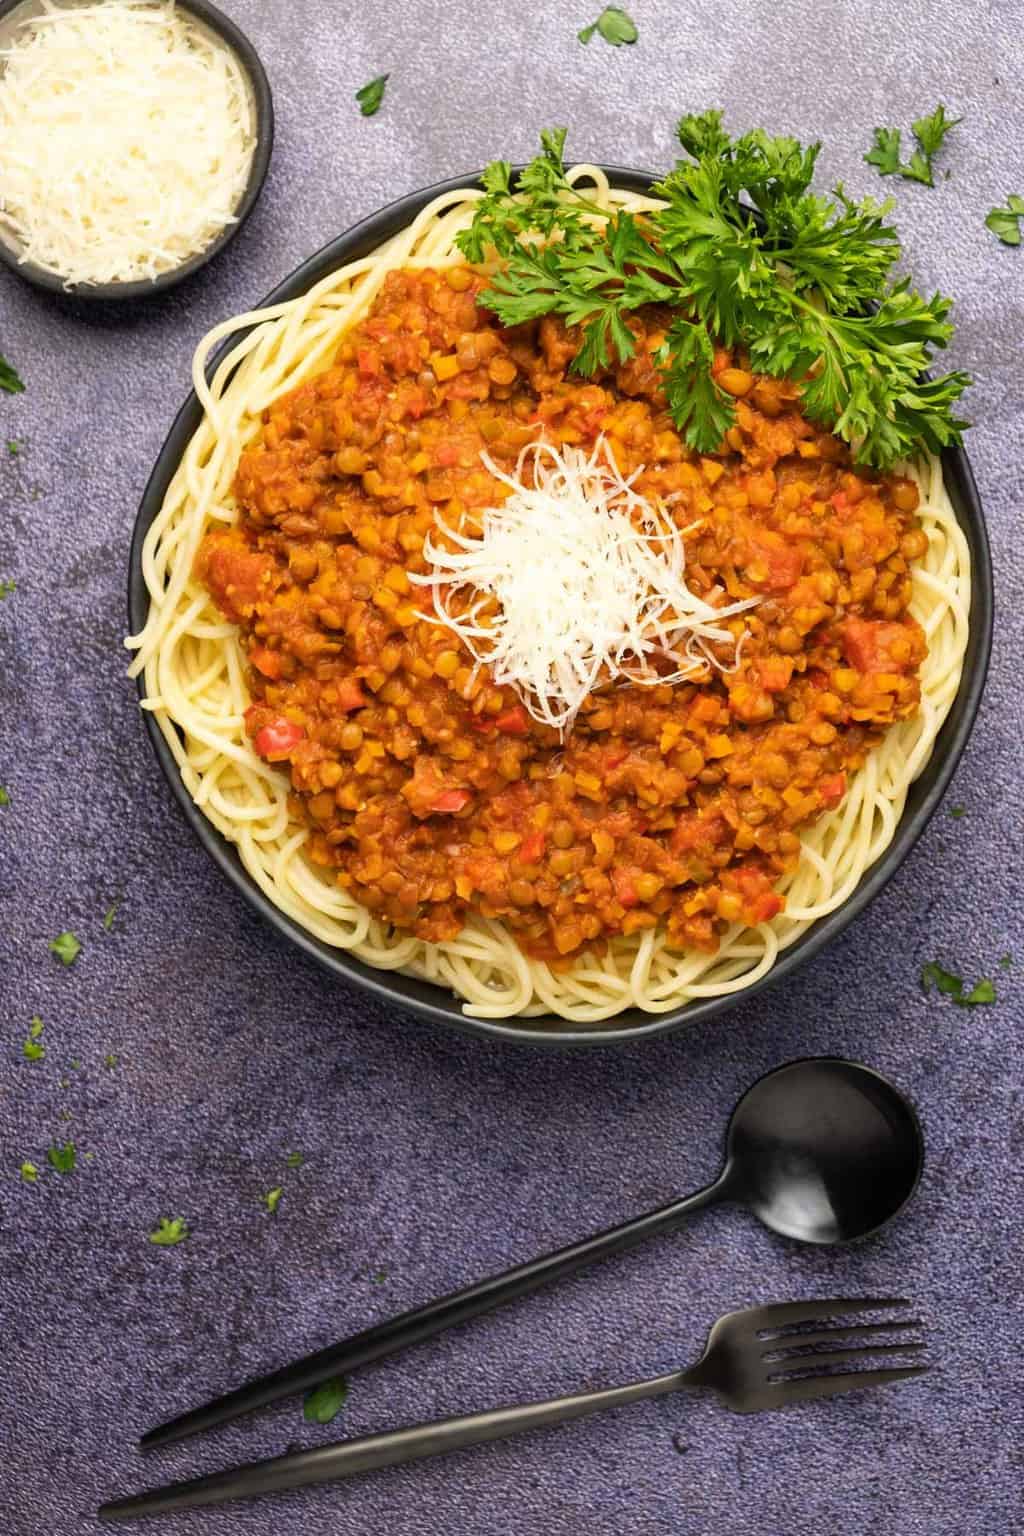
(126, 139)
(576, 580)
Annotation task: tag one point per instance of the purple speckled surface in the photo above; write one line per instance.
(429, 1157)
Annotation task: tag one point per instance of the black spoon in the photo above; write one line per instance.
(821, 1150)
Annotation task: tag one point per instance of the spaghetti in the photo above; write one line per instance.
(195, 678)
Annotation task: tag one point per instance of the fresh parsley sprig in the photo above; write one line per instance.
(793, 288)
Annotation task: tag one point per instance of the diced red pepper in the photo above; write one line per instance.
(350, 694)
(531, 848)
(832, 789)
(276, 740)
(368, 359)
(451, 800)
(624, 887)
(514, 722)
(446, 454)
(765, 907)
(840, 500)
(776, 672)
(266, 661)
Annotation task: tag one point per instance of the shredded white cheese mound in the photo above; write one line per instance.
(126, 139)
(576, 578)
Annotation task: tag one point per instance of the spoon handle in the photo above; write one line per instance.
(398, 1333)
(370, 1452)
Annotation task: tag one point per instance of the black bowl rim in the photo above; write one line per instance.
(427, 999)
(144, 287)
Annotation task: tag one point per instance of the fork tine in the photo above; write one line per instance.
(810, 1387)
(790, 1314)
(855, 1331)
(822, 1358)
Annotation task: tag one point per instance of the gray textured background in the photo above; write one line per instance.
(428, 1156)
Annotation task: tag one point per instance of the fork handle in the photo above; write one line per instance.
(369, 1452)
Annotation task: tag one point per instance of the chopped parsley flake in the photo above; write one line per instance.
(33, 1050)
(380, 1277)
(370, 95)
(956, 811)
(271, 1198)
(5, 796)
(9, 377)
(1005, 961)
(929, 133)
(7, 589)
(294, 1160)
(614, 25)
(110, 914)
(326, 1401)
(13, 447)
(169, 1232)
(66, 947)
(110, 1061)
(62, 1158)
(29, 1172)
(1005, 223)
(35, 1027)
(932, 974)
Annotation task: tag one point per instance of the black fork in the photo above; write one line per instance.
(755, 1360)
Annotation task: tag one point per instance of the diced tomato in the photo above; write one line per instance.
(832, 789)
(266, 661)
(531, 848)
(722, 359)
(614, 758)
(350, 694)
(867, 644)
(839, 500)
(776, 672)
(783, 563)
(368, 359)
(514, 722)
(765, 907)
(624, 887)
(760, 902)
(446, 454)
(692, 830)
(237, 576)
(276, 740)
(451, 800)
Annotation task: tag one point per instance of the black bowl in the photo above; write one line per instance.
(434, 1002)
(263, 108)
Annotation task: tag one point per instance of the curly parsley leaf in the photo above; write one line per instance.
(272, 1198)
(10, 379)
(930, 133)
(29, 1173)
(982, 992)
(370, 95)
(64, 1158)
(33, 1048)
(325, 1402)
(1005, 222)
(795, 292)
(66, 947)
(614, 25)
(169, 1232)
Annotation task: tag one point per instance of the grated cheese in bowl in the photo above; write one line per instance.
(127, 135)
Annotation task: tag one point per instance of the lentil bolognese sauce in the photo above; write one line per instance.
(653, 840)
(430, 791)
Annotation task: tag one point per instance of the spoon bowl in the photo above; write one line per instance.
(823, 1151)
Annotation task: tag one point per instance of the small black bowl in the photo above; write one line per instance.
(263, 108)
(437, 1003)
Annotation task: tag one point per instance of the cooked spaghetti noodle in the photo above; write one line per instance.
(196, 684)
